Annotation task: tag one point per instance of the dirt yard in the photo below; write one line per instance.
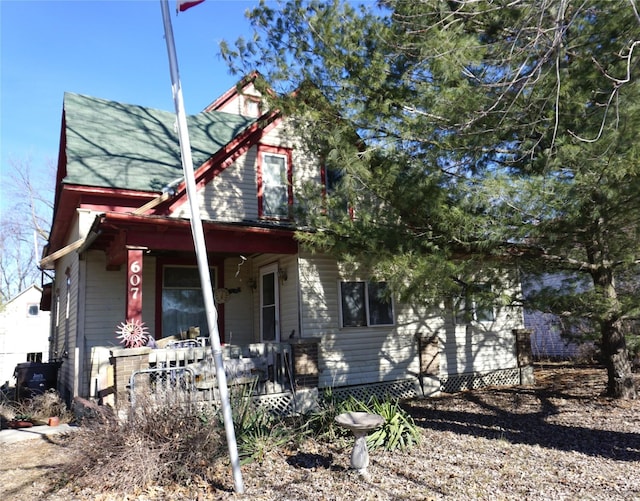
(559, 439)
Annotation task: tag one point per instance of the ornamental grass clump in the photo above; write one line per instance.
(399, 430)
(259, 432)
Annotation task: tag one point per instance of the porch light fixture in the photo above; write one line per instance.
(282, 275)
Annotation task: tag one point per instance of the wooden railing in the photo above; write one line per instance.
(267, 365)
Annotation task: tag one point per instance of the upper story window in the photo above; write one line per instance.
(365, 304)
(35, 356)
(275, 194)
(33, 310)
(331, 179)
(251, 106)
(474, 305)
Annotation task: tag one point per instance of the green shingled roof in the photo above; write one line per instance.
(116, 145)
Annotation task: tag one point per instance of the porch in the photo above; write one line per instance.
(273, 373)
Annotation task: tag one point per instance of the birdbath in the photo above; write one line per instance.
(360, 423)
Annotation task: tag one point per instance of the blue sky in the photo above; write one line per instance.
(112, 49)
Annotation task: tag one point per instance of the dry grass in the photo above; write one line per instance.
(37, 409)
(556, 440)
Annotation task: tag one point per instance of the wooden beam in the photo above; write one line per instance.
(47, 262)
(117, 253)
(152, 203)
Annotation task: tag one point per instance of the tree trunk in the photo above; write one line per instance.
(620, 382)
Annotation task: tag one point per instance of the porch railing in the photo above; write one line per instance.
(267, 367)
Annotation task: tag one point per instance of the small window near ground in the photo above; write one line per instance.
(365, 304)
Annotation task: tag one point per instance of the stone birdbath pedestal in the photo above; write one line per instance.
(360, 423)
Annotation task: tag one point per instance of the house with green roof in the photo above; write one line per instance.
(121, 252)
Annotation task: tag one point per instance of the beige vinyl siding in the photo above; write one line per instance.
(230, 196)
(288, 290)
(289, 298)
(237, 104)
(350, 356)
(233, 194)
(105, 304)
(69, 304)
(238, 318)
(281, 136)
(66, 331)
(319, 295)
(480, 347)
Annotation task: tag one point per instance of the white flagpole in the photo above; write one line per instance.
(201, 250)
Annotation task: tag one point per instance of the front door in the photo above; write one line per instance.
(269, 304)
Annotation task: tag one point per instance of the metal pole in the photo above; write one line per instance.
(201, 250)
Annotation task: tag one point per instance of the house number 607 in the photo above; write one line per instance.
(134, 279)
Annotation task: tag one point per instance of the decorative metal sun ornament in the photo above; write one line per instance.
(132, 333)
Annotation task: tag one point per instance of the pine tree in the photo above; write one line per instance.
(466, 134)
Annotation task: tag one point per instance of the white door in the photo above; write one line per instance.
(269, 304)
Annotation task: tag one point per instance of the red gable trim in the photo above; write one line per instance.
(232, 92)
(223, 159)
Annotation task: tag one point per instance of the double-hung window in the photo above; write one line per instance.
(275, 191)
(365, 304)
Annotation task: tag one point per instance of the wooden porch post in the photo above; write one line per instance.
(134, 284)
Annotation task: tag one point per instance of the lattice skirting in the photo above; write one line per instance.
(461, 382)
(286, 403)
(407, 388)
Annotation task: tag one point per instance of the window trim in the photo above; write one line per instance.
(367, 319)
(161, 263)
(272, 268)
(33, 315)
(286, 153)
(248, 102)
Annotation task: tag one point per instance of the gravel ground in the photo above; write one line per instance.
(557, 440)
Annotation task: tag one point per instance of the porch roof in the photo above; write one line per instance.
(113, 232)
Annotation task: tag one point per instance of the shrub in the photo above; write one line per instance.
(156, 444)
(321, 423)
(40, 407)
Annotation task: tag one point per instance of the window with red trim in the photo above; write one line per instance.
(275, 192)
